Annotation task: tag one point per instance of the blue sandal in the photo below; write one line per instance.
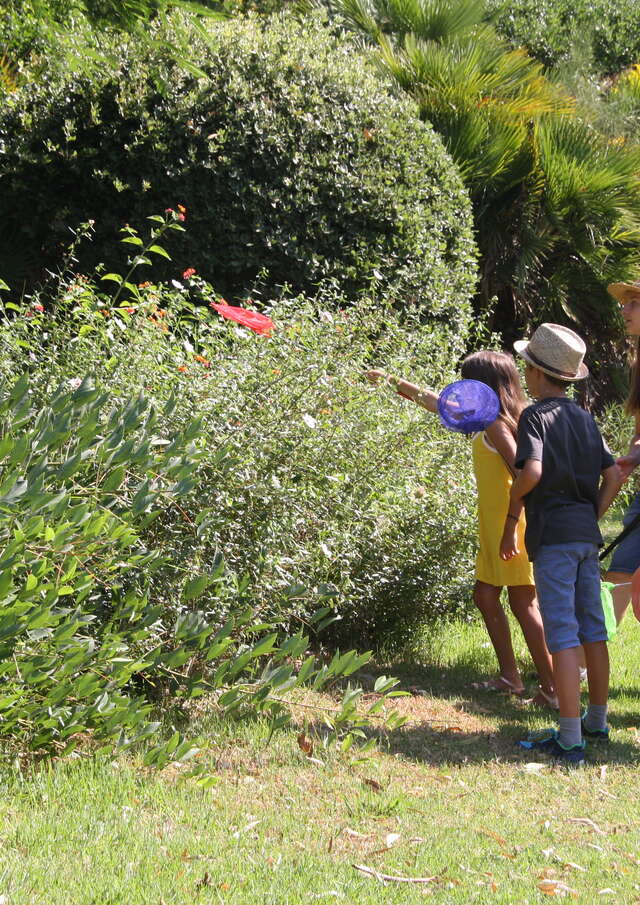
(548, 742)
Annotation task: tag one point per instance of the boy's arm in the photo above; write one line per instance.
(526, 480)
(609, 486)
(426, 398)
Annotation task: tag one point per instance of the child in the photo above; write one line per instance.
(493, 459)
(562, 457)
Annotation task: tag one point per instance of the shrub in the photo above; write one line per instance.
(294, 163)
(552, 29)
(320, 488)
(84, 647)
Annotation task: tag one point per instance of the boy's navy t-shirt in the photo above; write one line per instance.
(563, 506)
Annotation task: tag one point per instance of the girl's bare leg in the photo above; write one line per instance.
(621, 596)
(523, 603)
(487, 598)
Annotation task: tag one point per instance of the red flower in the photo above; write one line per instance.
(189, 272)
(38, 307)
(130, 310)
(259, 323)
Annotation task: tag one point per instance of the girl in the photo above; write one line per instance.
(493, 462)
(626, 556)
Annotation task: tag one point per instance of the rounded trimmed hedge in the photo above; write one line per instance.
(294, 162)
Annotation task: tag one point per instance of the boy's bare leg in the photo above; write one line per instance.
(597, 656)
(523, 603)
(621, 596)
(567, 680)
(487, 598)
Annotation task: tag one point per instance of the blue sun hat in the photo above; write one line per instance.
(468, 406)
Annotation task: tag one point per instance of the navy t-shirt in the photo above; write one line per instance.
(563, 506)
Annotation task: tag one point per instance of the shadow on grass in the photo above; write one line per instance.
(451, 723)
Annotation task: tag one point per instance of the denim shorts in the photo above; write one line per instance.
(626, 556)
(568, 585)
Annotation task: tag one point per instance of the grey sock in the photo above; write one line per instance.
(595, 718)
(570, 731)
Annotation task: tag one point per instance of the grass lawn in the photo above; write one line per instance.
(448, 798)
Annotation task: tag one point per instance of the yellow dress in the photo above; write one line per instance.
(493, 481)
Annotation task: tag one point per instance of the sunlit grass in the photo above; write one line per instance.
(449, 797)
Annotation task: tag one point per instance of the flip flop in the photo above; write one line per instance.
(542, 698)
(499, 684)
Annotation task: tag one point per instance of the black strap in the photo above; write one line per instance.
(625, 531)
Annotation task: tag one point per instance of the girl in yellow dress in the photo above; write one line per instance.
(493, 464)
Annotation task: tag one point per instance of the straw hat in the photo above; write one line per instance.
(556, 350)
(619, 290)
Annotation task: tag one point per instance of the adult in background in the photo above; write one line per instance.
(626, 556)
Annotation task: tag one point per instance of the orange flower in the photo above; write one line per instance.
(189, 272)
(144, 285)
(182, 368)
(203, 361)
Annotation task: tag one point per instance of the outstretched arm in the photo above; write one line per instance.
(632, 459)
(526, 480)
(424, 397)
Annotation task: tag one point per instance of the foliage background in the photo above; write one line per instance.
(295, 164)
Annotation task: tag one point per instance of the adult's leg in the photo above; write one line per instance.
(523, 603)
(487, 598)
(624, 561)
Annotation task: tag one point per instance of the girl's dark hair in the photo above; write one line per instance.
(632, 405)
(498, 370)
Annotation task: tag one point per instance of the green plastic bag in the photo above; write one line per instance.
(607, 606)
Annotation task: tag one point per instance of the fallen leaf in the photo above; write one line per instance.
(354, 834)
(533, 767)
(575, 866)
(493, 835)
(374, 784)
(587, 821)
(555, 888)
(246, 829)
(205, 881)
(391, 839)
(315, 760)
(606, 892)
(305, 744)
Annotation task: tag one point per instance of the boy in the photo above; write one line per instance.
(562, 458)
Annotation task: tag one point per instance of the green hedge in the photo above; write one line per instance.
(319, 488)
(294, 163)
(608, 31)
